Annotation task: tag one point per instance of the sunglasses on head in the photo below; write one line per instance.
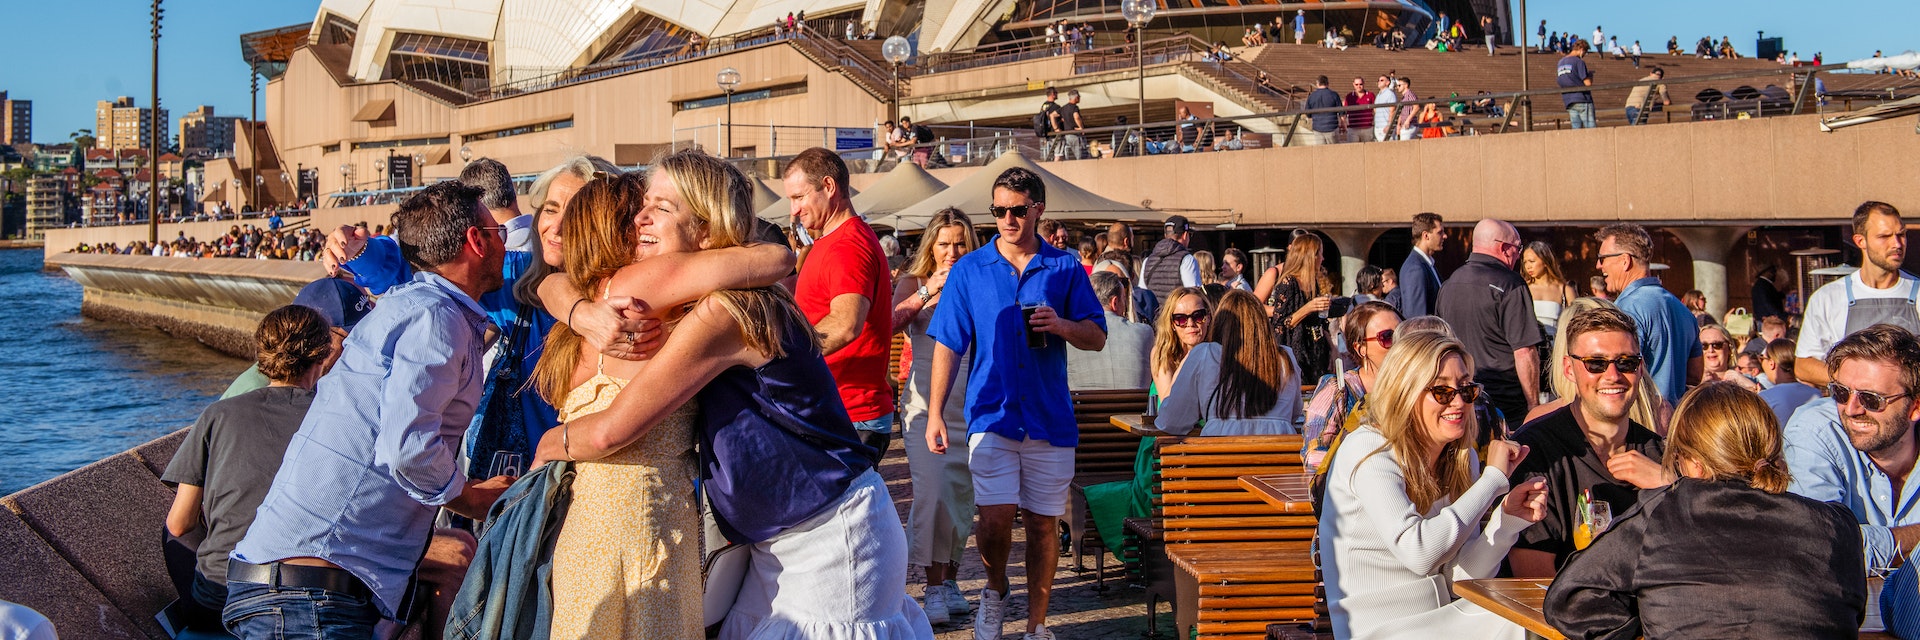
(1017, 211)
(1184, 319)
(1869, 400)
(1444, 394)
(1598, 365)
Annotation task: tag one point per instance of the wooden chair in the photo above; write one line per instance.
(1105, 454)
(1241, 563)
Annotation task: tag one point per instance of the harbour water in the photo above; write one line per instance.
(78, 390)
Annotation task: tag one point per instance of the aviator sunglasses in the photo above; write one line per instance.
(1869, 400)
(1184, 319)
(1444, 394)
(1598, 365)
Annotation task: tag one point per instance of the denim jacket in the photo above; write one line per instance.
(508, 591)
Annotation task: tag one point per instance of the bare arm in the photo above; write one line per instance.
(670, 280)
(846, 317)
(1907, 536)
(906, 302)
(1531, 563)
(1812, 371)
(945, 364)
(1268, 279)
(184, 516)
(705, 343)
(1695, 368)
(1526, 364)
(602, 323)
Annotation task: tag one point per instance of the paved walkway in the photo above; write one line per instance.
(1078, 611)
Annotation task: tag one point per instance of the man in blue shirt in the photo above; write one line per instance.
(1020, 426)
(337, 540)
(1857, 448)
(1572, 72)
(1324, 124)
(1669, 334)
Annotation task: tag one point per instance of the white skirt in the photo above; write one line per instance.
(840, 575)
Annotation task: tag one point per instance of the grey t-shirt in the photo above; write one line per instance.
(232, 453)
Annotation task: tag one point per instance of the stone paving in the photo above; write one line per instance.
(1077, 612)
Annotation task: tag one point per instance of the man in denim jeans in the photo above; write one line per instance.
(1572, 72)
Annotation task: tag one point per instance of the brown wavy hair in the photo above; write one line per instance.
(596, 240)
(1732, 434)
(1252, 366)
(290, 341)
(1308, 273)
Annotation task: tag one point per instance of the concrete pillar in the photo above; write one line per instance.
(1353, 243)
(1709, 246)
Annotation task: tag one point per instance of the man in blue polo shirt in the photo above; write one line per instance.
(1020, 426)
(1669, 334)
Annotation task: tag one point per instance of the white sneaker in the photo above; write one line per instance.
(991, 615)
(936, 605)
(957, 604)
(1040, 633)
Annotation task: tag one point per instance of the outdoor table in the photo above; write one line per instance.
(1136, 424)
(1285, 491)
(1516, 599)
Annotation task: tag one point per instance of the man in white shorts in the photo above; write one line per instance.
(1016, 303)
(1879, 293)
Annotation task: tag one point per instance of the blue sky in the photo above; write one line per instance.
(65, 55)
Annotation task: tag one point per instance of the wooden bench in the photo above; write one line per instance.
(1242, 564)
(1105, 454)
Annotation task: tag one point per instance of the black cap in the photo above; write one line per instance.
(1178, 224)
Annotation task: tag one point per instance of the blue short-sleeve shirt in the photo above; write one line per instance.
(1012, 390)
(1669, 335)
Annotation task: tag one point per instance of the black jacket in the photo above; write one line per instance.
(1703, 559)
(1162, 271)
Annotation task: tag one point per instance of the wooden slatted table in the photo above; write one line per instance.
(1286, 491)
(1137, 424)
(1516, 599)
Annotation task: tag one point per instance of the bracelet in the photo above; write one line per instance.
(566, 447)
(576, 305)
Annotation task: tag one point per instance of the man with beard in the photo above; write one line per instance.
(1588, 445)
(1878, 293)
(1857, 446)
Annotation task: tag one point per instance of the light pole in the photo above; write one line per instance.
(346, 184)
(418, 177)
(729, 79)
(253, 136)
(1526, 102)
(466, 154)
(154, 130)
(1138, 13)
(896, 50)
(380, 168)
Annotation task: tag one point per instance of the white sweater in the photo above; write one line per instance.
(1390, 569)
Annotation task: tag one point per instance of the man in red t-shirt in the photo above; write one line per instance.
(844, 290)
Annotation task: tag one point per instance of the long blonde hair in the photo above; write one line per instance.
(1167, 350)
(721, 201)
(922, 266)
(1209, 268)
(1732, 434)
(1306, 265)
(1393, 408)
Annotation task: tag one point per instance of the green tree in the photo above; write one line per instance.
(82, 139)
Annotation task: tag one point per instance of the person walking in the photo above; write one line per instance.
(941, 515)
(1419, 279)
(1491, 311)
(1879, 293)
(1572, 72)
(1669, 334)
(353, 503)
(1020, 442)
(1491, 30)
(844, 288)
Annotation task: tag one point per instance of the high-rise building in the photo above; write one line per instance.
(16, 121)
(118, 124)
(204, 135)
(46, 204)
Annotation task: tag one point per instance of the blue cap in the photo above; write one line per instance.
(342, 303)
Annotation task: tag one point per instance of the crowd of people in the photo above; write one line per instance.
(241, 241)
(1487, 421)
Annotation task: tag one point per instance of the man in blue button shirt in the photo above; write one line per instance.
(1857, 447)
(335, 543)
(1020, 424)
(1669, 334)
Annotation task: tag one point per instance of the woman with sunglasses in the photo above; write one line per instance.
(1405, 498)
(1181, 325)
(1687, 563)
(1237, 383)
(1717, 357)
(1369, 330)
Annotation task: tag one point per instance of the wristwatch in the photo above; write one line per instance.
(925, 294)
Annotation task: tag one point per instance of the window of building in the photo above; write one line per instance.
(458, 64)
(520, 130)
(743, 96)
(389, 144)
(649, 36)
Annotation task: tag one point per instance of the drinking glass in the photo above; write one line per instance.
(506, 463)
(1035, 339)
(1601, 515)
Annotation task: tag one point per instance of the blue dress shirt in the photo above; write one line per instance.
(1826, 467)
(1669, 336)
(376, 455)
(1012, 390)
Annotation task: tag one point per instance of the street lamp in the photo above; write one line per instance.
(1525, 104)
(729, 79)
(466, 153)
(1138, 13)
(896, 50)
(418, 160)
(380, 168)
(346, 184)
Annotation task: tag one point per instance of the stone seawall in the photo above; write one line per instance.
(216, 301)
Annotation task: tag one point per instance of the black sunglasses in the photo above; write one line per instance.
(1597, 365)
(1869, 400)
(1444, 394)
(1184, 319)
(1017, 211)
